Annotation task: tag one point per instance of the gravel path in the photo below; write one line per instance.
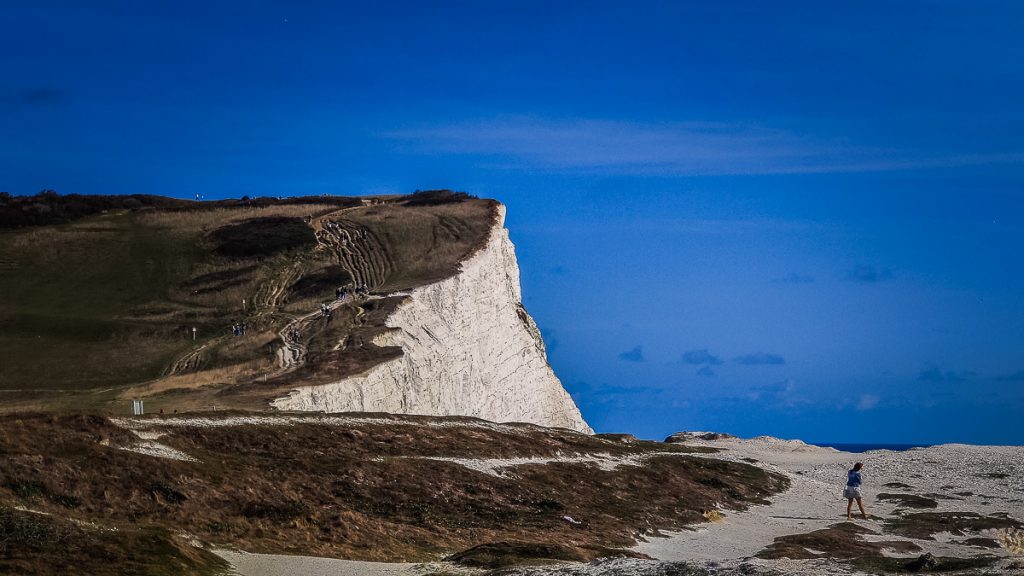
(979, 479)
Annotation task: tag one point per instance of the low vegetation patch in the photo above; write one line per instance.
(370, 490)
(50, 207)
(909, 500)
(262, 237)
(435, 197)
(33, 490)
(925, 525)
(926, 563)
(502, 554)
(846, 541)
(494, 555)
(320, 284)
(1013, 540)
(38, 544)
(843, 540)
(977, 542)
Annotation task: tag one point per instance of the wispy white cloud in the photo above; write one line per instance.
(784, 394)
(867, 402)
(936, 375)
(680, 148)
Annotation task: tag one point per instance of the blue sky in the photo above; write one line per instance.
(802, 219)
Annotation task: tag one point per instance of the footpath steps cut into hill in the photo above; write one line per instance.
(360, 253)
(359, 250)
(292, 352)
(190, 362)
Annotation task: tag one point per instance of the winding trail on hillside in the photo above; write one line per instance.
(359, 250)
(187, 363)
(360, 253)
(292, 352)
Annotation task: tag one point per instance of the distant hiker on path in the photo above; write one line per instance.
(852, 491)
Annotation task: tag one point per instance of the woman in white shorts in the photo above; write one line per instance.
(852, 491)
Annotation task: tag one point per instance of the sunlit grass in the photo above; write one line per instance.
(1012, 540)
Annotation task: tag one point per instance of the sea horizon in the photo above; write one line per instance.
(858, 447)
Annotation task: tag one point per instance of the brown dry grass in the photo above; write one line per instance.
(215, 377)
(1013, 540)
(36, 544)
(362, 491)
(925, 525)
(426, 243)
(909, 500)
(208, 220)
(843, 540)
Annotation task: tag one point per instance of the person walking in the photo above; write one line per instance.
(852, 492)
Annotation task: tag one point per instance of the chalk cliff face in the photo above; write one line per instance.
(469, 348)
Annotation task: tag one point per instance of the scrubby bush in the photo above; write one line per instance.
(50, 207)
(434, 197)
(1013, 540)
(21, 530)
(261, 237)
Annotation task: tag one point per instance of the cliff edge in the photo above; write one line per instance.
(469, 348)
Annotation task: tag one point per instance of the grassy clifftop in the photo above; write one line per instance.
(101, 294)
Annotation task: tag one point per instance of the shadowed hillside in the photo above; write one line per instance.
(195, 304)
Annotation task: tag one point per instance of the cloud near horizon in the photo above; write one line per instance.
(688, 148)
(867, 402)
(759, 359)
(1017, 376)
(702, 356)
(869, 274)
(932, 373)
(782, 394)
(634, 355)
(794, 278)
(706, 371)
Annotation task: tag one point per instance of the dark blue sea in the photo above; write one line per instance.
(866, 447)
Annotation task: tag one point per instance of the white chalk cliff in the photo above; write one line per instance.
(469, 349)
